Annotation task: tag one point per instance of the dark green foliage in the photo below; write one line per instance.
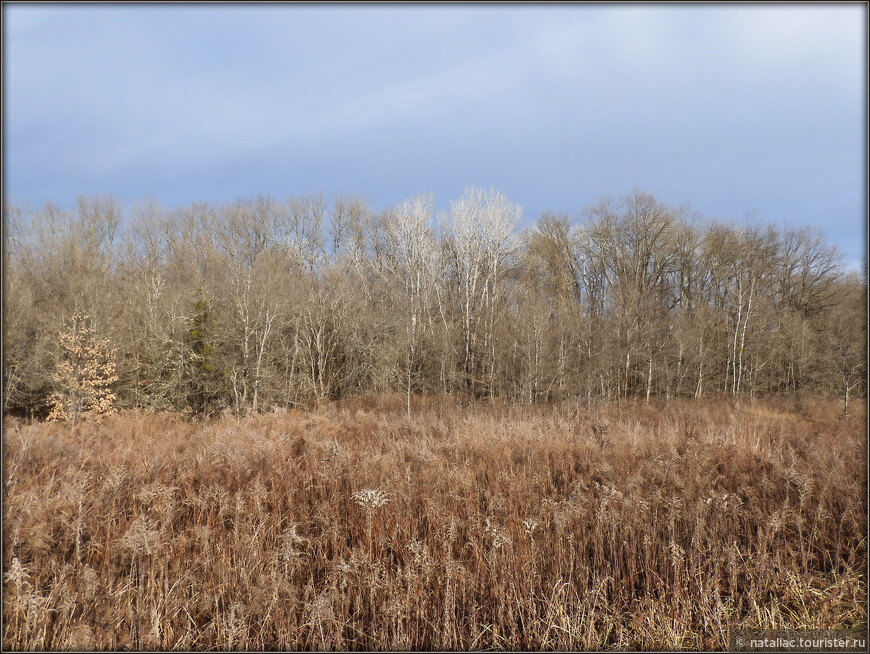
(206, 384)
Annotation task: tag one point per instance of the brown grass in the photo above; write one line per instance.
(506, 527)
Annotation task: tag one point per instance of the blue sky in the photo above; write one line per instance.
(730, 108)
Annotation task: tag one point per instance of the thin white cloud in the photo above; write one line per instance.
(791, 35)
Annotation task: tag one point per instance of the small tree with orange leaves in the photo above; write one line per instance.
(84, 377)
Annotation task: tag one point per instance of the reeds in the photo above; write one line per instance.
(353, 527)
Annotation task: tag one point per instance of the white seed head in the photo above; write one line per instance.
(498, 535)
(371, 498)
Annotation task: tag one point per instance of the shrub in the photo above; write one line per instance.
(84, 376)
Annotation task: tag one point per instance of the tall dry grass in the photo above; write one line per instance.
(352, 527)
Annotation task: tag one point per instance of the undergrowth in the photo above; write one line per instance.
(350, 526)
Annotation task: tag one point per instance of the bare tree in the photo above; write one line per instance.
(634, 250)
(251, 236)
(412, 265)
(260, 303)
(804, 285)
(843, 341)
(480, 235)
(306, 227)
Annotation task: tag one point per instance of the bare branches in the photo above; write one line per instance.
(311, 299)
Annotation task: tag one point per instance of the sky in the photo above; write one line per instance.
(731, 109)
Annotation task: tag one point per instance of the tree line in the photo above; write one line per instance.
(258, 304)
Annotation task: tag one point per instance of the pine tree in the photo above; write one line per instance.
(205, 380)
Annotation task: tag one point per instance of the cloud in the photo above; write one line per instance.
(555, 105)
(793, 34)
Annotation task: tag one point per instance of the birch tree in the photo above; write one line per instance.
(480, 231)
(413, 266)
(249, 235)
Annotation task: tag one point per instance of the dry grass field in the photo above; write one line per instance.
(349, 526)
